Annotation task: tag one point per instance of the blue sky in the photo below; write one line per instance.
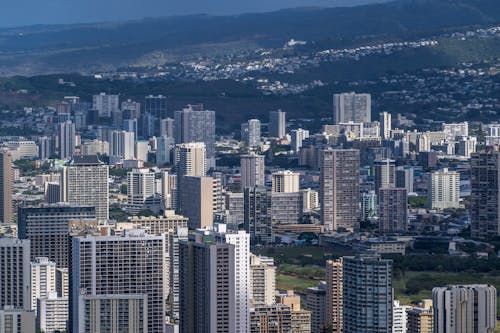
(28, 12)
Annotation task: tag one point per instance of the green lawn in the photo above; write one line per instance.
(298, 284)
(300, 255)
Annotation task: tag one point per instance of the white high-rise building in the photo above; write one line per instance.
(285, 181)
(466, 146)
(106, 104)
(454, 130)
(66, 136)
(385, 125)
(252, 170)
(444, 189)
(122, 145)
(141, 191)
(250, 133)
(262, 280)
(298, 136)
(351, 107)
(52, 313)
(141, 150)
(43, 279)
(190, 159)
(399, 317)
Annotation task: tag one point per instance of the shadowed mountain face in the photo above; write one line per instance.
(93, 47)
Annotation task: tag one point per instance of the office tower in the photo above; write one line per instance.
(175, 281)
(385, 173)
(6, 182)
(190, 159)
(193, 125)
(454, 130)
(141, 191)
(277, 124)
(15, 273)
(47, 229)
(484, 198)
(252, 170)
(21, 149)
(66, 136)
(316, 303)
(141, 259)
(404, 178)
(333, 300)
(131, 109)
(367, 289)
(466, 146)
(167, 128)
(298, 136)
(84, 182)
(164, 148)
(197, 201)
(214, 296)
(274, 318)
(262, 280)
(52, 193)
(310, 199)
(130, 125)
(43, 279)
(121, 312)
(156, 105)
(105, 104)
(169, 190)
(14, 320)
(465, 308)
(352, 107)
(369, 207)
(149, 124)
(122, 145)
(399, 317)
(258, 216)
(235, 207)
(95, 147)
(285, 181)
(286, 208)
(62, 282)
(428, 159)
(444, 189)
(250, 133)
(46, 147)
(385, 125)
(421, 319)
(393, 210)
(141, 150)
(339, 188)
(52, 313)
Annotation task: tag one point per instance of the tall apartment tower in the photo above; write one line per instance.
(485, 198)
(404, 178)
(105, 104)
(334, 295)
(393, 210)
(277, 124)
(47, 229)
(175, 281)
(250, 133)
(15, 273)
(385, 173)
(262, 280)
(252, 170)
(465, 308)
(141, 259)
(285, 182)
(122, 145)
(367, 291)
(156, 106)
(190, 159)
(385, 125)
(316, 303)
(197, 201)
(339, 189)
(6, 180)
(298, 136)
(193, 125)
(258, 214)
(352, 107)
(43, 279)
(66, 135)
(84, 182)
(444, 189)
(141, 191)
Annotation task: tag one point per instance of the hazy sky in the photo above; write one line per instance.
(27, 12)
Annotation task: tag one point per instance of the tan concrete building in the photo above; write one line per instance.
(285, 181)
(334, 296)
(262, 280)
(421, 318)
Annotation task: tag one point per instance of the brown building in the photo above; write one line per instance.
(393, 210)
(421, 319)
(197, 201)
(276, 318)
(334, 297)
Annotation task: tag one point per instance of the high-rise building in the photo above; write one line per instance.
(404, 178)
(369, 207)
(167, 128)
(47, 229)
(277, 124)
(43, 279)
(131, 109)
(393, 210)
(84, 182)
(46, 147)
(197, 201)
(175, 280)
(6, 182)
(66, 138)
(274, 318)
(252, 170)
(385, 125)
(465, 308)
(15, 273)
(52, 193)
(105, 104)
(339, 188)
(334, 295)
(298, 136)
(193, 125)
(352, 107)
(399, 317)
(466, 146)
(485, 198)
(141, 191)
(421, 319)
(444, 189)
(285, 181)
(316, 303)
(300, 318)
(454, 130)
(250, 133)
(52, 313)
(367, 294)
(13, 320)
(164, 148)
(310, 199)
(262, 280)
(190, 159)
(169, 190)
(141, 261)
(286, 208)
(156, 106)
(122, 146)
(62, 282)
(258, 214)
(385, 173)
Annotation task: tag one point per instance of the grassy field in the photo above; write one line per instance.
(300, 255)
